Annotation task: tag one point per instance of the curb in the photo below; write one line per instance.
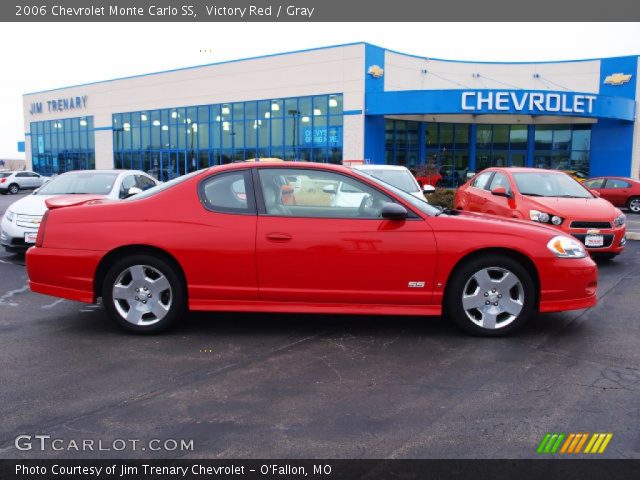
(633, 235)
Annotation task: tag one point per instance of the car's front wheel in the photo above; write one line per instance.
(144, 293)
(491, 296)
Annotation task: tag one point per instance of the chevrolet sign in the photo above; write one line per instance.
(531, 102)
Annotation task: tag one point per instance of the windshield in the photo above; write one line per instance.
(164, 186)
(99, 183)
(412, 200)
(401, 179)
(549, 184)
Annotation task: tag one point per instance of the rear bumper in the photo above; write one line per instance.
(568, 284)
(63, 273)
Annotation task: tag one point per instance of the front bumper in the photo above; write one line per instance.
(568, 284)
(12, 236)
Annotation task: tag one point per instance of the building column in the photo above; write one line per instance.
(473, 133)
(531, 145)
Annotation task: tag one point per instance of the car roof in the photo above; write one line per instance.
(282, 165)
(524, 170)
(116, 171)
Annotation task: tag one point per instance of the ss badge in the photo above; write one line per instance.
(416, 284)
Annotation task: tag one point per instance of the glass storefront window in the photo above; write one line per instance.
(58, 146)
(173, 141)
(518, 136)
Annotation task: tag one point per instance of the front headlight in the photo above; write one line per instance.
(620, 220)
(543, 217)
(565, 247)
(9, 215)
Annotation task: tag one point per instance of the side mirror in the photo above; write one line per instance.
(330, 189)
(595, 193)
(133, 191)
(500, 192)
(428, 189)
(394, 211)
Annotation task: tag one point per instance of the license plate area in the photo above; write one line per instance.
(594, 241)
(30, 237)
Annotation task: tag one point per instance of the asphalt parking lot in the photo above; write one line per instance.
(313, 386)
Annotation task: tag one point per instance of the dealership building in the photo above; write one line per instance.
(346, 102)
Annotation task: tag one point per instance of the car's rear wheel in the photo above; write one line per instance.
(634, 204)
(491, 296)
(13, 189)
(144, 293)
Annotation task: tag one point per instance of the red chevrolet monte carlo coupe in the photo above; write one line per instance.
(222, 239)
(547, 197)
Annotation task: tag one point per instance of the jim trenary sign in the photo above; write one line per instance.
(530, 102)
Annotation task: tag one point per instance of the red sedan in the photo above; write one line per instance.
(547, 197)
(622, 192)
(223, 239)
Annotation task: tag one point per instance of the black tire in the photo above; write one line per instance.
(177, 306)
(523, 294)
(13, 189)
(633, 204)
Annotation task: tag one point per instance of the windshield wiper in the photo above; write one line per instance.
(567, 196)
(533, 194)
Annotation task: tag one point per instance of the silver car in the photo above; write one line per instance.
(13, 182)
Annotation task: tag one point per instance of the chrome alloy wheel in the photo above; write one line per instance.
(493, 298)
(634, 205)
(142, 295)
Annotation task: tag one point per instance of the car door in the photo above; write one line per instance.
(498, 205)
(22, 179)
(616, 191)
(476, 193)
(315, 250)
(596, 185)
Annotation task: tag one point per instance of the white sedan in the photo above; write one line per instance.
(395, 175)
(21, 220)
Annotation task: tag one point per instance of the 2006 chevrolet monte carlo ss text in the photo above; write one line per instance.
(266, 237)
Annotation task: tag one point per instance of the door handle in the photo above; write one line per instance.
(278, 237)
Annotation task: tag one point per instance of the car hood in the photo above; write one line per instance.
(480, 222)
(574, 208)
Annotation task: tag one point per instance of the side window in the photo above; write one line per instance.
(22, 174)
(145, 183)
(481, 180)
(318, 194)
(127, 182)
(595, 183)
(615, 183)
(228, 193)
(500, 180)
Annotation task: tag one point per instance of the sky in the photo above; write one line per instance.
(50, 55)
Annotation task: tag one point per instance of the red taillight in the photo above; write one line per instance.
(41, 228)
(3, 180)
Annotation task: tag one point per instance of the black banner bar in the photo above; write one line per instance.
(317, 11)
(583, 469)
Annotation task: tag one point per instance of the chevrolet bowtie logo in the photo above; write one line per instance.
(617, 79)
(375, 71)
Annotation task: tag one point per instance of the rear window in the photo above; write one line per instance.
(5, 174)
(401, 179)
(98, 183)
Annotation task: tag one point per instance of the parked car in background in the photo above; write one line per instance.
(397, 176)
(194, 243)
(621, 191)
(13, 182)
(20, 222)
(576, 175)
(547, 197)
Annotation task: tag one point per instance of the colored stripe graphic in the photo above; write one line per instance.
(574, 442)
